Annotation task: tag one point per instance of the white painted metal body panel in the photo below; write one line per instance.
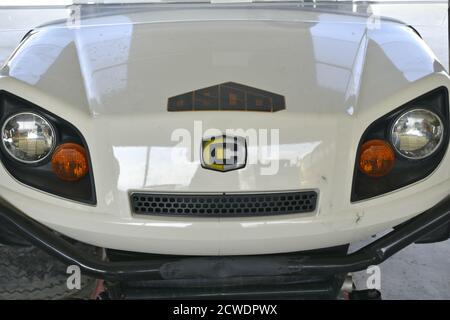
(111, 78)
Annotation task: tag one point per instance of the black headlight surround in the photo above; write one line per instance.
(40, 175)
(405, 171)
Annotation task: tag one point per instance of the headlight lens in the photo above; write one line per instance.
(417, 133)
(28, 137)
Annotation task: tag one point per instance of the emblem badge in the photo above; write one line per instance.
(224, 153)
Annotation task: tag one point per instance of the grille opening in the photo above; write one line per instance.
(223, 205)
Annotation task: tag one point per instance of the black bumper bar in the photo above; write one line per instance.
(226, 267)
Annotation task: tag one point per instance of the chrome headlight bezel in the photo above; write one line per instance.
(50, 150)
(402, 115)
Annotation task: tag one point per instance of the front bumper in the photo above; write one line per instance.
(228, 268)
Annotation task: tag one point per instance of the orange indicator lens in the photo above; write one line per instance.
(69, 162)
(376, 158)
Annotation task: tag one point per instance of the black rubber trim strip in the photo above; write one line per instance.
(415, 31)
(174, 267)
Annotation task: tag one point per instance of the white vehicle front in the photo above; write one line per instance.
(304, 89)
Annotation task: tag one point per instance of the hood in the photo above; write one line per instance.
(134, 62)
(114, 75)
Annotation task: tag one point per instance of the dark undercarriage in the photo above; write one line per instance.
(307, 274)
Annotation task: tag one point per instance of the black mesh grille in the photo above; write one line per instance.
(224, 205)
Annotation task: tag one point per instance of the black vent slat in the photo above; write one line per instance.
(223, 205)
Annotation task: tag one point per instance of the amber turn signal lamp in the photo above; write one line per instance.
(69, 162)
(376, 158)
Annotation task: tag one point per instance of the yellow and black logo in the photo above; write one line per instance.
(224, 153)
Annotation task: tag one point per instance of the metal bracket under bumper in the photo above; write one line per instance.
(226, 267)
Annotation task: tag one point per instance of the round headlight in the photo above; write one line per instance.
(28, 137)
(417, 133)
